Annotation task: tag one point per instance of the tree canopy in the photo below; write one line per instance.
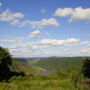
(86, 68)
(5, 57)
(5, 63)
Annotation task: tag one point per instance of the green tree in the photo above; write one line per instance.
(86, 68)
(5, 63)
(5, 57)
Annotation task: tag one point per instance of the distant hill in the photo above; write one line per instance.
(19, 66)
(66, 62)
(26, 59)
(22, 59)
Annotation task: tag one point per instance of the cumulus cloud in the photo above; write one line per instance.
(54, 42)
(45, 22)
(14, 19)
(63, 12)
(74, 14)
(7, 15)
(47, 43)
(37, 24)
(42, 46)
(35, 34)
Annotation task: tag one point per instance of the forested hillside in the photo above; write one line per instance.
(66, 63)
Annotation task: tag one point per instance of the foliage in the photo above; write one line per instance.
(86, 68)
(59, 80)
(5, 62)
(5, 66)
(5, 57)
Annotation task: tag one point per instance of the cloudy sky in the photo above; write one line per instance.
(40, 28)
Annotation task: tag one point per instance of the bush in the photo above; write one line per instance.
(86, 68)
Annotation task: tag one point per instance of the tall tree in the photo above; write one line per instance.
(86, 68)
(5, 63)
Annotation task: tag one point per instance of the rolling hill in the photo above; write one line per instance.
(19, 66)
(66, 63)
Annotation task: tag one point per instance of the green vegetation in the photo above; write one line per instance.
(19, 66)
(10, 67)
(86, 68)
(5, 63)
(59, 80)
(66, 63)
(64, 77)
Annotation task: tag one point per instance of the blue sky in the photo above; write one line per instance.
(40, 28)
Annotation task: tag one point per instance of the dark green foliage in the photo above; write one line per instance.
(5, 64)
(86, 68)
(5, 58)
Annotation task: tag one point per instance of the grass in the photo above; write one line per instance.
(59, 80)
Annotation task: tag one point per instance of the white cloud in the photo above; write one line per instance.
(35, 34)
(74, 14)
(66, 50)
(63, 12)
(37, 24)
(67, 47)
(20, 52)
(16, 46)
(13, 40)
(87, 50)
(15, 22)
(87, 43)
(72, 40)
(54, 42)
(0, 4)
(46, 43)
(14, 19)
(45, 22)
(7, 15)
(38, 47)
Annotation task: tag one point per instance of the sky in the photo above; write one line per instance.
(43, 28)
